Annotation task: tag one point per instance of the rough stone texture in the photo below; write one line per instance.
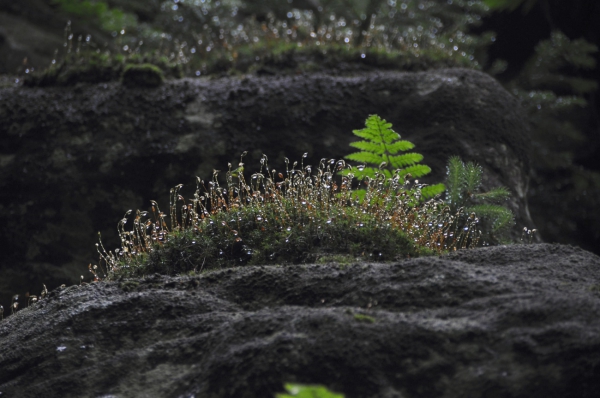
(73, 160)
(508, 321)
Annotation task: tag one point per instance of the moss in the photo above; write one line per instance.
(147, 70)
(75, 68)
(357, 236)
(364, 318)
(142, 75)
(283, 57)
(293, 218)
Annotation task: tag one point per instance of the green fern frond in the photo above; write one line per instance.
(431, 191)
(407, 159)
(368, 172)
(369, 146)
(416, 171)
(382, 129)
(377, 130)
(366, 157)
(399, 146)
(382, 144)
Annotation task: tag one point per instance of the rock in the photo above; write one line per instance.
(507, 321)
(74, 159)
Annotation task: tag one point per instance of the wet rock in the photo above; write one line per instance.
(507, 321)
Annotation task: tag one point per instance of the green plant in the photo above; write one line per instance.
(211, 37)
(294, 217)
(383, 149)
(87, 65)
(463, 183)
(307, 391)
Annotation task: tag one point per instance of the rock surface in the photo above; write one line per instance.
(509, 321)
(74, 159)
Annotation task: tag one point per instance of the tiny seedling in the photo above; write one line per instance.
(307, 391)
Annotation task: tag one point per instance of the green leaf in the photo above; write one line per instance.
(382, 144)
(368, 134)
(406, 159)
(416, 171)
(365, 157)
(367, 146)
(431, 191)
(398, 146)
(307, 391)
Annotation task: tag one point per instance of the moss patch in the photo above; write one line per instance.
(142, 75)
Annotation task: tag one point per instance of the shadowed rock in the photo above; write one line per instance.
(508, 321)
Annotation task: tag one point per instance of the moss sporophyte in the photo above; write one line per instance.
(303, 214)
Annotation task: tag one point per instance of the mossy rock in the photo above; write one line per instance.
(142, 75)
(78, 68)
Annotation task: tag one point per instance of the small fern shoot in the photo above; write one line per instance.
(382, 151)
(463, 183)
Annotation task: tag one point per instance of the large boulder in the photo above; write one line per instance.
(74, 159)
(507, 321)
